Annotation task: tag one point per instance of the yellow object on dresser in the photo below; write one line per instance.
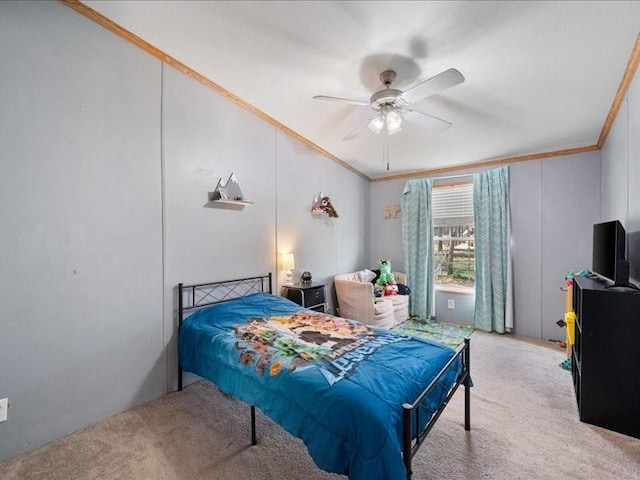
(568, 309)
(570, 320)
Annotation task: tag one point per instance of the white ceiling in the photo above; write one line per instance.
(540, 76)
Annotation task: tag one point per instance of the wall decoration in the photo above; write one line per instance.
(322, 206)
(391, 211)
(229, 193)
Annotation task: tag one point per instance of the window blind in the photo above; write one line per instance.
(452, 205)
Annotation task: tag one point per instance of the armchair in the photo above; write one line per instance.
(355, 301)
(400, 302)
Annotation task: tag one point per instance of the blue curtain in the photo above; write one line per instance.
(491, 210)
(417, 244)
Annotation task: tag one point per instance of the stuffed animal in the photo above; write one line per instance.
(378, 293)
(386, 279)
(385, 273)
(390, 289)
(325, 206)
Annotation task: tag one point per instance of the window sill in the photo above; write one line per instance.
(458, 290)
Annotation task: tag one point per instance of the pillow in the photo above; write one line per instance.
(365, 275)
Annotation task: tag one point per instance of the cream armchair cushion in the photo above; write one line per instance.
(355, 300)
(400, 302)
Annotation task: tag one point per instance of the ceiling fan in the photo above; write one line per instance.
(393, 106)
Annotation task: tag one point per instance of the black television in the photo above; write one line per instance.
(609, 258)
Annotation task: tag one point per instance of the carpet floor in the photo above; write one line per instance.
(524, 425)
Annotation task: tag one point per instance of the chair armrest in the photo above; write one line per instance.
(355, 299)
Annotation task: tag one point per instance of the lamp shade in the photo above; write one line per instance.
(388, 118)
(376, 124)
(287, 261)
(394, 122)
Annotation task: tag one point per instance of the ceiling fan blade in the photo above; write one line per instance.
(429, 121)
(356, 131)
(338, 99)
(433, 85)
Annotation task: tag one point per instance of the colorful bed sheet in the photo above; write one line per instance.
(445, 333)
(337, 384)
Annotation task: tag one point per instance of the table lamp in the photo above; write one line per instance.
(287, 262)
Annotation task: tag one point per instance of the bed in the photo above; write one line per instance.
(362, 399)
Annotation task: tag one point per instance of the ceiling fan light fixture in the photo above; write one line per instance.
(376, 124)
(393, 122)
(391, 106)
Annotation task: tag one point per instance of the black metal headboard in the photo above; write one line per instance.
(195, 297)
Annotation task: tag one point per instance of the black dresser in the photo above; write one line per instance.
(606, 355)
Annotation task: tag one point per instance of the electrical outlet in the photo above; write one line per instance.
(451, 304)
(4, 405)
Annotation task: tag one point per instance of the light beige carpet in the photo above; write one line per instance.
(524, 425)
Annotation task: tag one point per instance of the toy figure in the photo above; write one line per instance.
(385, 273)
(325, 205)
(386, 279)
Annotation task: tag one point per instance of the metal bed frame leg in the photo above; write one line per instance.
(467, 386)
(253, 425)
(406, 438)
(180, 285)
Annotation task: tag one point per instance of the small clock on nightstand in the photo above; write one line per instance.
(305, 278)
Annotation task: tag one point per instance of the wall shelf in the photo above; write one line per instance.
(228, 195)
(232, 202)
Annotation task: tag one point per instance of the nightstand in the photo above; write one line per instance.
(312, 296)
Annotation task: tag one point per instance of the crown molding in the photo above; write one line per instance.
(623, 88)
(487, 163)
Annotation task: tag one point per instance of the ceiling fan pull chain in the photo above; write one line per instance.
(385, 151)
(387, 142)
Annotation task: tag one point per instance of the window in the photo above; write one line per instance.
(453, 235)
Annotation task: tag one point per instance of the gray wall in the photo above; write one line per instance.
(554, 204)
(464, 306)
(386, 234)
(322, 245)
(204, 139)
(80, 241)
(621, 174)
(107, 160)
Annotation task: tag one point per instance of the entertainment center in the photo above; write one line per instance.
(605, 357)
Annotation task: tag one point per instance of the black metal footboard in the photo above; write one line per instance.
(411, 412)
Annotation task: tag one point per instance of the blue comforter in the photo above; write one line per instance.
(335, 383)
